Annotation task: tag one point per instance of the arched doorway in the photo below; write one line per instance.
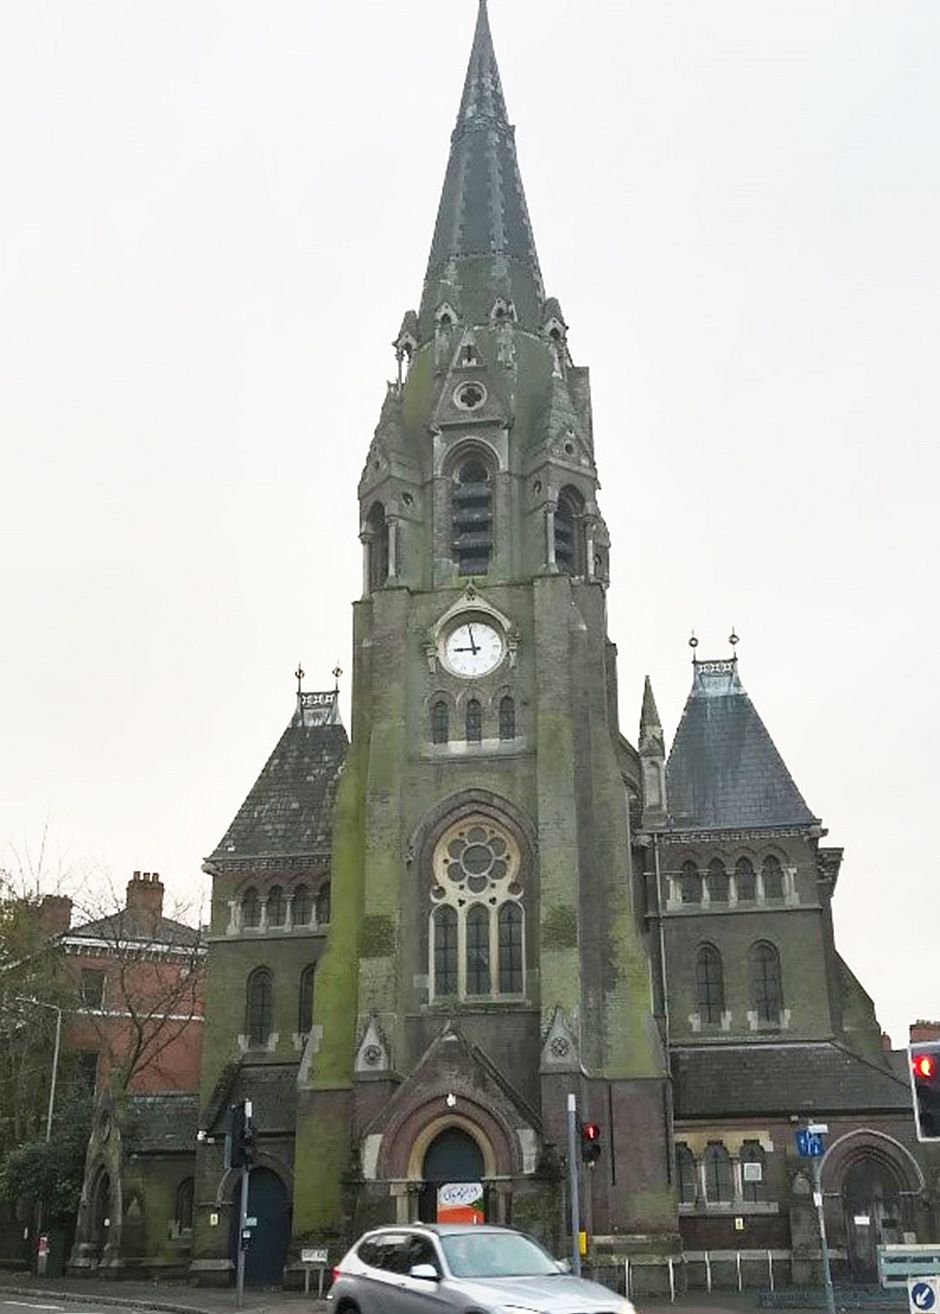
(871, 1200)
(268, 1204)
(452, 1157)
(101, 1212)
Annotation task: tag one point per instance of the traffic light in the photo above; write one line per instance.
(925, 1086)
(241, 1136)
(590, 1143)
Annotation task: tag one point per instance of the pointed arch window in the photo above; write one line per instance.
(719, 1180)
(474, 722)
(378, 531)
(276, 906)
(322, 909)
(251, 907)
(569, 532)
(183, 1209)
(478, 950)
(445, 952)
(301, 906)
(717, 881)
(744, 880)
(259, 1001)
(690, 884)
(507, 718)
(772, 874)
(305, 999)
(685, 1174)
(709, 983)
(440, 722)
(766, 985)
(510, 949)
(472, 516)
(753, 1186)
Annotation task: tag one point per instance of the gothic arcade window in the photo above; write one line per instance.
(259, 999)
(377, 529)
(301, 906)
(440, 722)
(507, 718)
(753, 1171)
(744, 880)
(719, 1180)
(183, 1211)
(569, 532)
(305, 999)
(277, 909)
(690, 884)
(477, 924)
(685, 1174)
(251, 907)
(766, 987)
(772, 874)
(474, 722)
(717, 881)
(323, 905)
(472, 516)
(709, 984)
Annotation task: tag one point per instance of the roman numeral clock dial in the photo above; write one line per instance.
(473, 648)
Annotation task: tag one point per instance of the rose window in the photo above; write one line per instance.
(475, 860)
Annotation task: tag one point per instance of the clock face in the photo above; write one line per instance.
(473, 648)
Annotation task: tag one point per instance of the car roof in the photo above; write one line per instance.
(438, 1229)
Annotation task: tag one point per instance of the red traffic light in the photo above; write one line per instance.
(590, 1131)
(924, 1065)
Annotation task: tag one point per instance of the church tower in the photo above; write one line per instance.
(485, 956)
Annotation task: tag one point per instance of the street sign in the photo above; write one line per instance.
(809, 1144)
(313, 1256)
(818, 1128)
(923, 1295)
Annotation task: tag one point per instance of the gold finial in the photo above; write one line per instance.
(299, 676)
(337, 672)
(733, 638)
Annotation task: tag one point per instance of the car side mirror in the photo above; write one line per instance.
(426, 1272)
(563, 1265)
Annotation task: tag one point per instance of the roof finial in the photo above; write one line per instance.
(734, 640)
(693, 644)
(299, 676)
(337, 672)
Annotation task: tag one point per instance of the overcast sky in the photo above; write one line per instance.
(215, 212)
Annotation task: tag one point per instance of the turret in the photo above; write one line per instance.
(652, 749)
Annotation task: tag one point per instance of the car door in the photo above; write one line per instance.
(421, 1295)
(384, 1257)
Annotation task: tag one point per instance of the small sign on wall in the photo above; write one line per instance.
(460, 1202)
(753, 1172)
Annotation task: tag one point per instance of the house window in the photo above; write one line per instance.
(690, 884)
(772, 873)
(276, 906)
(259, 999)
(474, 722)
(685, 1174)
(377, 529)
(753, 1185)
(92, 987)
(472, 517)
(305, 1000)
(765, 982)
(477, 924)
(717, 882)
(569, 532)
(719, 1181)
(744, 880)
(301, 906)
(251, 907)
(184, 1205)
(440, 722)
(507, 718)
(86, 1071)
(709, 984)
(323, 904)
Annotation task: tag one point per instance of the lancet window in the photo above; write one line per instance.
(440, 722)
(719, 1178)
(474, 722)
(744, 880)
(690, 883)
(766, 986)
(258, 1006)
(717, 882)
(472, 516)
(377, 531)
(569, 532)
(305, 999)
(709, 984)
(772, 874)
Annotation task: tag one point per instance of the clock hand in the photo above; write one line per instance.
(473, 648)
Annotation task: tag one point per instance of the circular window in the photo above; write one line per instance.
(470, 396)
(475, 857)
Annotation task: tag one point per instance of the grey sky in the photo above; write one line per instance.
(213, 215)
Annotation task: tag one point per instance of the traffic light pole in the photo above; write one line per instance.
(242, 1228)
(573, 1189)
(827, 1271)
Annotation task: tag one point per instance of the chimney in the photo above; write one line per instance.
(922, 1030)
(55, 914)
(145, 900)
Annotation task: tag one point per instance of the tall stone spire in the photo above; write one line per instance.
(483, 245)
(652, 749)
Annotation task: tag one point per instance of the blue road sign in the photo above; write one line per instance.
(809, 1144)
(923, 1296)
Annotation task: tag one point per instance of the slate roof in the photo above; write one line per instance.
(760, 1079)
(272, 1089)
(137, 924)
(724, 771)
(161, 1123)
(289, 810)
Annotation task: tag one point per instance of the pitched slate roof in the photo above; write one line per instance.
(161, 1123)
(289, 809)
(724, 771)
(137, 924)
(768, 1078)
(272, 1089)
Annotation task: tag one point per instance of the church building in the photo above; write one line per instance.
(425, 936)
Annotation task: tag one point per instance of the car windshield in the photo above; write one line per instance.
(494, 1255)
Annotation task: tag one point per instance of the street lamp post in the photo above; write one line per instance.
(41, 1003)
